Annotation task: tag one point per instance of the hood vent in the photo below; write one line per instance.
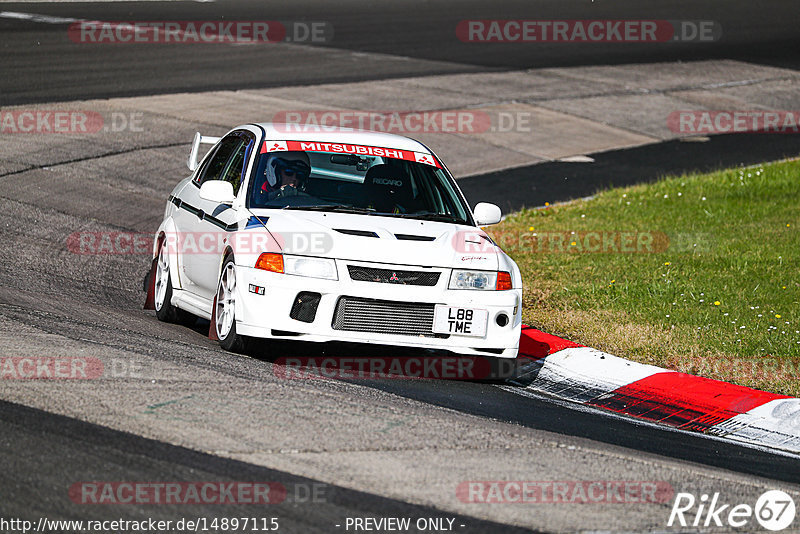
(360, 233)
(410, 237)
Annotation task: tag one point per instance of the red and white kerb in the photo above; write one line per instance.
(591, 377)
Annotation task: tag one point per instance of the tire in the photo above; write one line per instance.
(165, 311)
(225, 309)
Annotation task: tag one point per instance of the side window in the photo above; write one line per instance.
(234, 172)
(216, 164)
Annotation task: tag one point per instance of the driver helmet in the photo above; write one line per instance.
(291, 163)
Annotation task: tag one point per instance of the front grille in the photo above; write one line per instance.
(384, 317)
(390, 276)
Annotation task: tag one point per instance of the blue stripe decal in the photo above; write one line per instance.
(255, 222)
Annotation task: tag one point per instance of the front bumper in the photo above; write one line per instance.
(267, 315)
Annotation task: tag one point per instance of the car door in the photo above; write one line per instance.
(204, 225)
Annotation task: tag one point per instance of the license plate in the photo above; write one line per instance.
(460, 321)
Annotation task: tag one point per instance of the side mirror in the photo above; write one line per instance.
(218, 191)
(486, 214)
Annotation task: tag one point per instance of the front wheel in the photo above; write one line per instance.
(225, 309)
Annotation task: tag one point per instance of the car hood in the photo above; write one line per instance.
(373, 238)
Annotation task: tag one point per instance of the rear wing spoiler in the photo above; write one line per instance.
(206, 140)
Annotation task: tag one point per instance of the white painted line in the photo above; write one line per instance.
(577, 159)
(35, 17)
(48, 19)
(92, 1)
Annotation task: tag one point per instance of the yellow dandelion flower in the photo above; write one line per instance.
(777, 315)
(717, 303)
(546, 203)
(666, 263)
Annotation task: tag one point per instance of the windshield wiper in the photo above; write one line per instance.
(342, 208)
(431, 216)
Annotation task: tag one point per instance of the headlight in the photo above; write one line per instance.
(482, 280)
(298, 265)
(312, 267)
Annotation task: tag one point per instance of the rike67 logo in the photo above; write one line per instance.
(774, 510)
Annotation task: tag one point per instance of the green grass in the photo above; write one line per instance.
(709, 284)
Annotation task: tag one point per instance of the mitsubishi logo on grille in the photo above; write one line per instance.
(404, 280)
(388, 276)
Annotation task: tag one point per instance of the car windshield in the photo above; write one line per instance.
(348, 183)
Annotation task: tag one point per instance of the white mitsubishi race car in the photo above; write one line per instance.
(332, 235)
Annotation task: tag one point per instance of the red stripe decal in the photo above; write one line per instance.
(344, 148)
(536, 344)
(683, 401)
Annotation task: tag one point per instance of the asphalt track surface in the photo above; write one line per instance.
(75, 448)
(371, 40)
(558, 181)
(52, 300)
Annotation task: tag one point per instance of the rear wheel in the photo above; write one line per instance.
(165, 311)
(225, 312)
